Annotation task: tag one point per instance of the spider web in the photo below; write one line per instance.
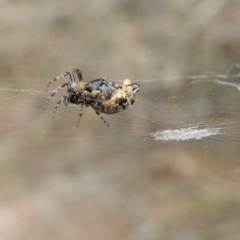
(202, 110)
(204, 107)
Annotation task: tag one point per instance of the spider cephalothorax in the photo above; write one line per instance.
(101, 94)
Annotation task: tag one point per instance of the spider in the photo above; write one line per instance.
(101, 94)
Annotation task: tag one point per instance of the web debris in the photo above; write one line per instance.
(184, 134)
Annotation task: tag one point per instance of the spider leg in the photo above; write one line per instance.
(98, 86)
(72, 78)
(54, 92)
(63, 98)
(103, 119)
(79, 74)
(80, 114)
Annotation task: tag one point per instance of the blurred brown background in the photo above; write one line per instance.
(93, 182)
